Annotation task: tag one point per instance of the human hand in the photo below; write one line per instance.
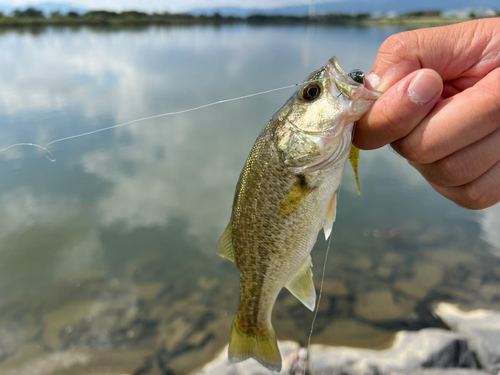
(441, 108)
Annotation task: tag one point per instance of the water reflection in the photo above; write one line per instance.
(112, 248)
(490, 225)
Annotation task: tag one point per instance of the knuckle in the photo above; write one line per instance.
(400, 47)
(451, 171)
(396, 43)
(414, 149)
(477, 196)
(484, 191)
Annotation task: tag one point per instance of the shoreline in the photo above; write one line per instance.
(257, 20)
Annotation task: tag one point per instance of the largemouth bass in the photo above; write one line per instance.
(286, 193)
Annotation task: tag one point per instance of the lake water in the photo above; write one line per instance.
(107, 256)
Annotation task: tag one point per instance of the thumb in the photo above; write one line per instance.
(399, 110)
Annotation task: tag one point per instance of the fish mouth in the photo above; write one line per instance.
(348, 87)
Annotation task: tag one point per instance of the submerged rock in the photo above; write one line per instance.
(350, 332)
(482, 329)
(32, 361)
(67, 316)
(149, 291)
(425, 277)
(379, 305)
(333, 288)
(450, 257)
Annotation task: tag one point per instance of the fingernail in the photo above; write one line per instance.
(424, 87)
(373, 80)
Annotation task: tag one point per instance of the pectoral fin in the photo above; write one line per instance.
(354, 158)
(295, 197)
(225, 247)
(302, 286)
(331, 214)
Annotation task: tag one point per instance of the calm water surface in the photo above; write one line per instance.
(107, 256)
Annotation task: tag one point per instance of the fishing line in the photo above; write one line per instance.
(52, 158)
(319, 297)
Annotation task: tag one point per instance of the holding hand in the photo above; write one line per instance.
(441, 108)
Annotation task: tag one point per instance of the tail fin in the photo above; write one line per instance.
(263, 348)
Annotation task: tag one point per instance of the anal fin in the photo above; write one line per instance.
(302, 286)
(331, 214)
(225, 247)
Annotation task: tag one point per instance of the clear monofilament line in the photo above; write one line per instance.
(52, 158)
(49, 154)
(320, 294)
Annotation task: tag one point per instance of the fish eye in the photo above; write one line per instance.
(311, 91)
(357, 76)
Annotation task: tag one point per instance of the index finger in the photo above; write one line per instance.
(465, 50)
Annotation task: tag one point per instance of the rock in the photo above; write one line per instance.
(481, 327)
(391, 258)
(350, 332)
(497, 271)
(449, 258)
(207, 284)
(198, 338)
(410, 352)
(490, 291)
(221, 366)
(384, 271)
(361, 263)
(68, 315)
(160, 312)
(171, 335)
(427, 274)
(333, 288)
(14, 334)
(411, 289)
(425, 277)
(290, 301)
(130, 315)
(450, 371)
(23, 355)
(386, 266)
(379, 305)
(217, 335)
(32, 362)
(433, 235)
(455, 293)
(286, 329)
(149, 291)
(473, 282)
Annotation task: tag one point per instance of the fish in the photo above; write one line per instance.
(286, 192)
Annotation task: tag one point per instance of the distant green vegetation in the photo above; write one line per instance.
(35, 17)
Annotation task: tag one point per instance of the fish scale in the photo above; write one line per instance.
(286, 193)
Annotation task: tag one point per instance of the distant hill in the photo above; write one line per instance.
(46, 8)
(354, 6)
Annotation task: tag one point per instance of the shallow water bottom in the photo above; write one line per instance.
(148, 321)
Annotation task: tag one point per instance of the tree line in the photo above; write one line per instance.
(33, 16)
